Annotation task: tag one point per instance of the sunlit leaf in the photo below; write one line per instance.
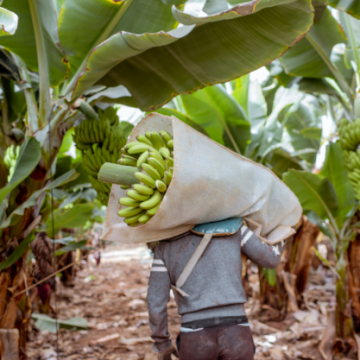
(23, 42)
(8, 22)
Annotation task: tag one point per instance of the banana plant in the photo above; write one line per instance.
(328, 200)
(137, 54)
(327, 60)
(327, 63)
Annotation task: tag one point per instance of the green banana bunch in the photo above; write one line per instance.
(350, 134)
(152, 154)
(350, 142)
(100, 140)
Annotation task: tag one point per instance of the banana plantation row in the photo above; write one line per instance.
(60, 124)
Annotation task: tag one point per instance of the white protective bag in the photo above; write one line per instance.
(210, 183)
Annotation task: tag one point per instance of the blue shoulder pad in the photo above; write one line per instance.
(219, 228)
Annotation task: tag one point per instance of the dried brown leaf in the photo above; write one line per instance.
(4, 282)
(133, 341)
(290, 283)
(9, 344)
(8, 321)
(327, 340)
(105, 339)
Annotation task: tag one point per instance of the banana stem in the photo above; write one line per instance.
(118, 174)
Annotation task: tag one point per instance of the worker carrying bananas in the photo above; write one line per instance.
(203, 267)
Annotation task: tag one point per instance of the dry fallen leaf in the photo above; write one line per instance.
(276, 354)
(327, 341)
(134, 341)
(136, 303)
(105, 339)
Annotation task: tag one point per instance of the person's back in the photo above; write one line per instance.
(214, 324)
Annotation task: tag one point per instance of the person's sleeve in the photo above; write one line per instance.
(257, 251)
(157, 298)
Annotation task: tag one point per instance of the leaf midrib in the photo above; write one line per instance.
(317, 196)
(223, 122)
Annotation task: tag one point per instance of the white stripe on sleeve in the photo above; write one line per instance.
(159, 268)
(246, 237)
(243, 229)
(158, 262)
(276, 250)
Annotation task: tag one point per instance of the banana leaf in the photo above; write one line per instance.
(138, 44)
(23, 42)
(303, 125)
(220, 115)
(304, 60)
(350, 6)
(19, 211)
(19, 251)
(314, 192)
(76, 216)
(8, 22)
(155, 67)
(29, 157)
(46, 323)
(334, 169)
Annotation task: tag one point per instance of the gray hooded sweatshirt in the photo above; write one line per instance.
(214, 286)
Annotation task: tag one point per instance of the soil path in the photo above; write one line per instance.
(112, 299)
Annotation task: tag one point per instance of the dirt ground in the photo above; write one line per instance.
(112, 299)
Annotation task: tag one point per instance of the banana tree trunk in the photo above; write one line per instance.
(292, 273)
(344, 323)
(301, 254)
(354, 280)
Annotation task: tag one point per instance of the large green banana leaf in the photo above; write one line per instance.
(268, 136)
(304, 59)
(79, 36)
(157, 66)
(314, 192)
(303, 125)
(23, 42)
(220, 115)
(250, 96)
(8, 22)
(334, 169)
(281, 161)
(136, 43)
